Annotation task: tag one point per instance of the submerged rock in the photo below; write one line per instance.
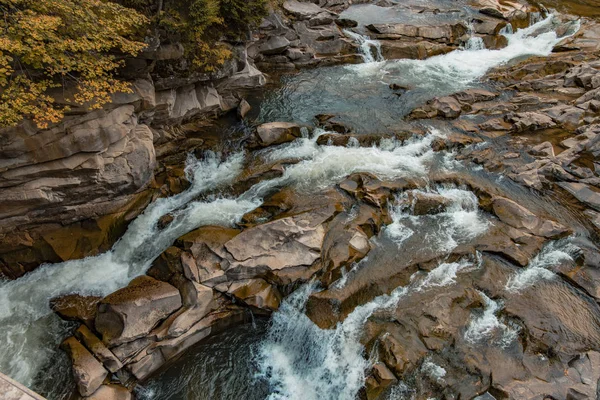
(110, 392)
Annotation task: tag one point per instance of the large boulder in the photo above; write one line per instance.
(302, 10)
(275, 45)
(277, 133)
(132, 312)
(283, 243)
(87, 371)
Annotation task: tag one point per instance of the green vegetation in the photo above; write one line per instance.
(204, 25)
(46, 44)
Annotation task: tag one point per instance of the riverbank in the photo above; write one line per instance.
(401, 190)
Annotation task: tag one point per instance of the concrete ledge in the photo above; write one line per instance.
(13, 390)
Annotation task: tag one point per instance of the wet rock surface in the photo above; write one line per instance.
(472, 287)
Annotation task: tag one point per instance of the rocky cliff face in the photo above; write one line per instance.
(64, 189)
(471, 318)
(69, 191)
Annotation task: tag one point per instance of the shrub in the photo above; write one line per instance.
(47, 43)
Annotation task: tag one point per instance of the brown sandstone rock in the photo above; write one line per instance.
(557, 317)
(530, 121)
(87, 371)
(277, 133)
(198, 301)
(519, 217)
(133, 311)
(583, 193)
(110, 392)
(283, 243)
(257, 293)
(74, 307)
(100, 351)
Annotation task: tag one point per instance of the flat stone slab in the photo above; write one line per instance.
(13, 390)
(583, 193)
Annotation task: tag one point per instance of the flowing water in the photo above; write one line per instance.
(360, 95)
(296, 359)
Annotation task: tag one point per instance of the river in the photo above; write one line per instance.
(288, 357)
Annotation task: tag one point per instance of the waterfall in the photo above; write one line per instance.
(474, 42)
(301, 361)
(30, 332)
(461, 68)
(366, 47)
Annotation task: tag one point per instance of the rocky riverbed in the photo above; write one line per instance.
(409, 209)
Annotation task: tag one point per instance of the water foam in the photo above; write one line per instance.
(434, 371)
(551, 255)
(488, 327)
(460, 222)
(322, 166)
(300, 360)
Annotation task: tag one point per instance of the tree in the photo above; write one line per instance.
(46, 44)
(205, 25)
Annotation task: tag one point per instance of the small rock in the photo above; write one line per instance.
(427, 203)
(243, 109)
(74, 307)
(346, 23)
(510, 156)
(545, 149)
(277, 133)
(530, 121)
(164, 221)
(492, 12)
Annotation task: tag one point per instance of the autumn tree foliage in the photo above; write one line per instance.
(53, 45)
(46, 44)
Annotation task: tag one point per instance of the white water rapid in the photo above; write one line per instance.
(366, 47)
(488, 328)
(30, 333)
(550, 256)
(301, 361)
(297, 358)
(462, 67)
(460, 221)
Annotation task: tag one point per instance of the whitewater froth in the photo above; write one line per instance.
(301, 360)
